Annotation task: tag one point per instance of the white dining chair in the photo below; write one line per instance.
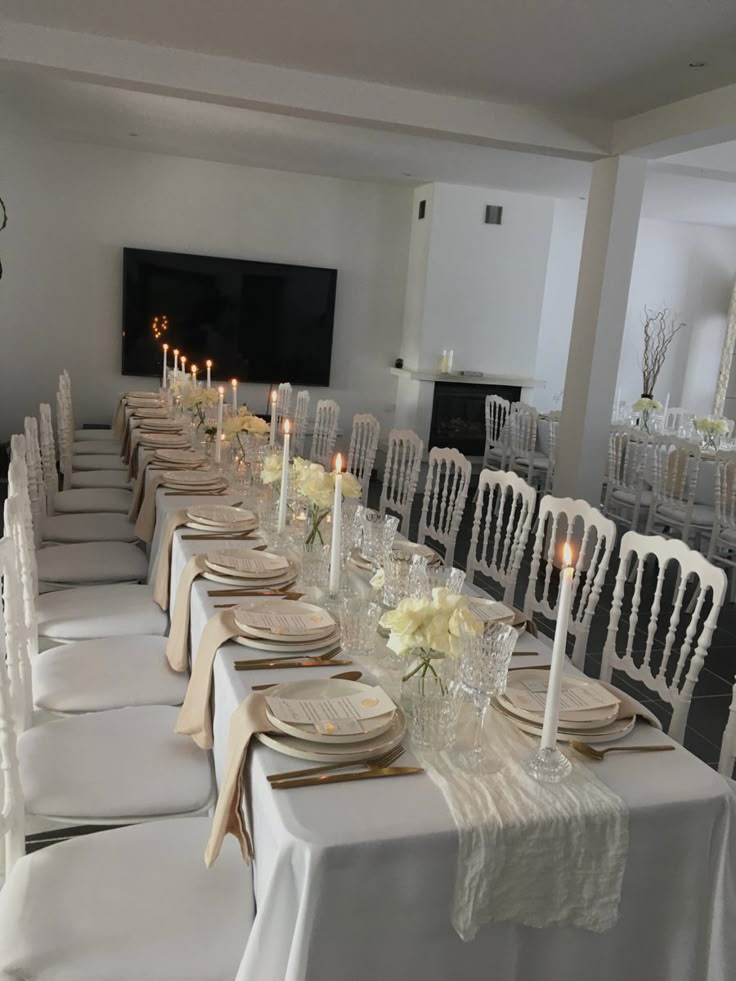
(325, 432)
(72, 908)
(591, 537)
(71, 461)
(445, 494)
(80, 526)
(659, 641)
(676, 421)
(627, 499)
(72, 479)
(283, 404)
(70, 768)
(553, 429)
(523, 457)
(727, 759)
(86, 435)
(301, 415)
(674, 473)
(496, 445)
(722, 545)
(362, 452)
(401, 475)
(504, 508)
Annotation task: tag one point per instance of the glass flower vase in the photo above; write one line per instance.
(316, 557)
(426, 698)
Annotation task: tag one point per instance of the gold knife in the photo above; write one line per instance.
(272, 665)
(388, 771)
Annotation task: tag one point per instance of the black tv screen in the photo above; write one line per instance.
(256, 321)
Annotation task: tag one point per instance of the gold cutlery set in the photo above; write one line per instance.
(329, 773)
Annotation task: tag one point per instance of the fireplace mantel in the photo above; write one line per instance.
(459, 379)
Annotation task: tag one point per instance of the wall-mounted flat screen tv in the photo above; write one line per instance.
(256, 321)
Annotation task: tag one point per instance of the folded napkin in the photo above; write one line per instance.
(629, 706)
(118, 419)
(178, 642)
(230, 815)
(195, 716)
(146, 521)
(162, 575)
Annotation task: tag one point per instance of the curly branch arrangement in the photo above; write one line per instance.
(3, 223)
(659, 332)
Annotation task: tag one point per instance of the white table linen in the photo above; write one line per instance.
(357, 881)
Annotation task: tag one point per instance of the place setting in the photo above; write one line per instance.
(249, 569)
(193, 481)
(220, 522)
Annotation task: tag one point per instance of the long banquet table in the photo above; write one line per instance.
(354, 882)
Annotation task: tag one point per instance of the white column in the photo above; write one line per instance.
(611, 226)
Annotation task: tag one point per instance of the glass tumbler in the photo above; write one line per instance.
(358, 625)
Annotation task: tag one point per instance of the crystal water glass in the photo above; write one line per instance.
(358, 625)
(442, 577)
(352, 527)
(482, 674)
(404, 575)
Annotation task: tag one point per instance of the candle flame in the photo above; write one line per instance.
(183, 359)
(338, 463)
(195, 369)
(274, 396)
(166, 347)
(208, 363)
(221, 390)
(567, 554)
(234, 382)
(176, 350)
(287, 427)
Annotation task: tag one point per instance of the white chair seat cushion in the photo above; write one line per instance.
(540, 461)
(100, 478)
(95, 527)
(95, 446)
(130, 904)
(100, 611)
(628, 497)
(109, 673)
(96, 434)
(128, 764)
(110, 499)
(86, 563)
(702, 514)
(98, 461)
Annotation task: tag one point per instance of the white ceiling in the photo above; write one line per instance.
(609, 59)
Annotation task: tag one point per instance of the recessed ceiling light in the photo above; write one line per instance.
(697, 64)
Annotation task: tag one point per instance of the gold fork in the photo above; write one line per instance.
(593, 753)
(376, 762)
(327, 656)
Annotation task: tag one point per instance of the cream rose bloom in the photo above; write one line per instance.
(255, 425)
(317, 487)
(435, 624)
(271, 473)
(350, 485)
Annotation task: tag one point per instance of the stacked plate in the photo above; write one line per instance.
(433, 559)
(154, 412)
(218, 518)
(180, 458)
(159, 426)
(142, 401)
(245, 567)
(164, 439)
(589, 712)
(196, 481)
(325, 741)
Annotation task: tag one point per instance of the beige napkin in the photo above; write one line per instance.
(230, 816)
(629, 706)
(146, 523)
(178, 641)
(118, 419)
(162, 576)
(195, 717)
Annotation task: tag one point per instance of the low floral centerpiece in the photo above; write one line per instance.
(196, 401)
(645, 406)
(243, 424)
(711, 430)
(313, 483)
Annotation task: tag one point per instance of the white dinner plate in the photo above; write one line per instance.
(228, 531)
(221, 515)
(192, 477)
(414, 548)
(311, 648)
(155, 412)
(327, 688)
(237, 581)
(249, 565)
(198, 491)
(606, 734)
(594, 718)
(180, 456)
(164, 439)
(338, 752)
(159, 426)
(324, 625)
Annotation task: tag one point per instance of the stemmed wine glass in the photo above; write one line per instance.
(482, 674)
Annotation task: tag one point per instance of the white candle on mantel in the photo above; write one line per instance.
(284, 492)
(166, 358)
(176, 360)
(554, 684)
(218, 437)
(234, 384)
(336, 547)
(208, 365)
(274, 397)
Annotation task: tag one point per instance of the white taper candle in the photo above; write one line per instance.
(336, 546)
(218, 441)
(554, 684)
(208, 365)
(176, 360)
(284, 491)
(234, 385)
(166, 358)
(274, 397)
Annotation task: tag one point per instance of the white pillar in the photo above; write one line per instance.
(611, 226)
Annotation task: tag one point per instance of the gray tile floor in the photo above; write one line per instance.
(709, 709)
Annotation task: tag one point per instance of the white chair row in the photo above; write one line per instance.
(511, 440)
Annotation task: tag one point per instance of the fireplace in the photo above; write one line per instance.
(458, 414)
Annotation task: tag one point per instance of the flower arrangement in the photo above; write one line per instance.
(711, 427)
(197, 400)
(315, 484)
(430, 629)
(243, 422)
(647, 405)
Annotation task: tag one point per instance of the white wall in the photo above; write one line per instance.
(72, 208)
(689, 268)
(484, 284)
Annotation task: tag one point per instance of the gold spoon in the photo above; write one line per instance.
(599, 754)
(345, 676)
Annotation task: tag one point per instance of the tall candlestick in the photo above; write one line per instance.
(176, 360)
(554, 685)
(194, 369)
(284, 492)
(336, 547)
(218, 441)
(234, 383)
(183, 363)
(208, 365)
(274, 397)
(166, 358)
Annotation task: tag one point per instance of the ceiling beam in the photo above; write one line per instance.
(701, 120)
(268, 88)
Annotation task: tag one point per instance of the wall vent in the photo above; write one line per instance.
(494, 213)
(422, 209)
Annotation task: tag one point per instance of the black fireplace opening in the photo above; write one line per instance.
(459, 414)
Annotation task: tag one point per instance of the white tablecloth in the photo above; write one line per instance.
(355, 882)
